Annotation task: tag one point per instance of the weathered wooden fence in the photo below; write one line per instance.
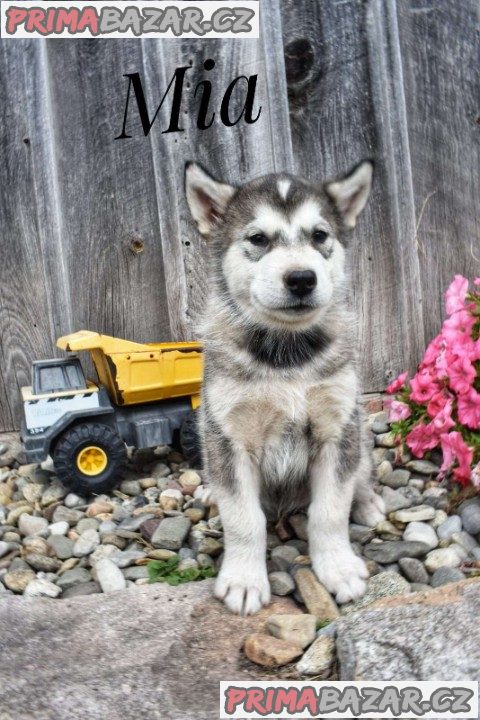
(396, 80)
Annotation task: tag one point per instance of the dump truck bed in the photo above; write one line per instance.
(138, 373)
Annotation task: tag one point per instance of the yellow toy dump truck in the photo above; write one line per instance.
(146, 395)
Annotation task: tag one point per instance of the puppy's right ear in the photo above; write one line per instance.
(206, 198)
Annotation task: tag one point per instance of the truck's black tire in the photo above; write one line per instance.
(190, 444)
(68, 451)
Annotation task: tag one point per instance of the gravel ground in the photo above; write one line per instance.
(56, 544)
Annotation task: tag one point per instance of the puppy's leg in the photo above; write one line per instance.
(333, 560)
(243, 582)
(368, 507)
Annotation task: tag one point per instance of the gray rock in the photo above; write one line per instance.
(88, 588)
(442, 557)
(32, 525)
(102, 675)
(138, 572)
(415, 514)
(63, 513)
(398, 478)
(421, 532)
(465, 540)
(42, 588)
(298, 628)
(319, 657)
(171, 533)
(281, 583)
(423, 467)
(204, 561)
(86, 523)
(360, 533)
(414, 570)
(391, 551)
(86, 543)
(186, 553)
(453, 524)
(59, 528)
(299, 526)
(72, 500)
(73, 577)
(425, 635)
(53, 493)
(4, 548)
(132, 524)
(61, 545)
(379, 586)
(380, 423)
(445, 575)
(126, 558)
(43, 563)
(109, 576)
(283, 556)
(411, 492)
(130, 487)
(394, 500)
(385, 440)
(470, 515)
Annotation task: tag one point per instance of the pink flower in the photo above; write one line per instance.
(476, 281)
(432, 351)
(443, 422)
(437, 403)
(423, 386)
(397, 384)
(468, 408)
(421, 439)
(455, 449)
(455, 295)
(397, 410)
(461, 374)
(457, 329)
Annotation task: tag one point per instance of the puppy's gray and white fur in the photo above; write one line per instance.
(281, 424)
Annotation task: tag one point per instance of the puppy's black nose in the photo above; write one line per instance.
(300, 282)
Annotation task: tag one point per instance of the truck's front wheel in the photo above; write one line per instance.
(90, 458)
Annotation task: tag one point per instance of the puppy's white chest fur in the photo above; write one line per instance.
(282, 421)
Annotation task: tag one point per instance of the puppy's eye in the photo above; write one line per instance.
(319, 236)
(259, 239)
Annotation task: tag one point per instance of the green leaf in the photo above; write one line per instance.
(166, 571)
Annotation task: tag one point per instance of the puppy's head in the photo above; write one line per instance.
(279, 240)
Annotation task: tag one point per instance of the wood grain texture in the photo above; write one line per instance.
(34, 298)
(341, 80)
(440, 56)
(107, 193)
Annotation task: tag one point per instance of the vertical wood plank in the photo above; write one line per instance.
(440, 53)
(342, 72)
(107, 193)
(34, 303)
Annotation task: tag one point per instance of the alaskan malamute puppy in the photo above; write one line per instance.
(281, 423)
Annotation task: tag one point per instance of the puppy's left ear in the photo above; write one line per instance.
(350, 194)
(207, 198)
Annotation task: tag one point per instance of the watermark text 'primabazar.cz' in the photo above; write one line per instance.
(57, 18)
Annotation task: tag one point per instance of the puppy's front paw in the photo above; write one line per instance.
(342, 573)
(369, 511)
(244, 590)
